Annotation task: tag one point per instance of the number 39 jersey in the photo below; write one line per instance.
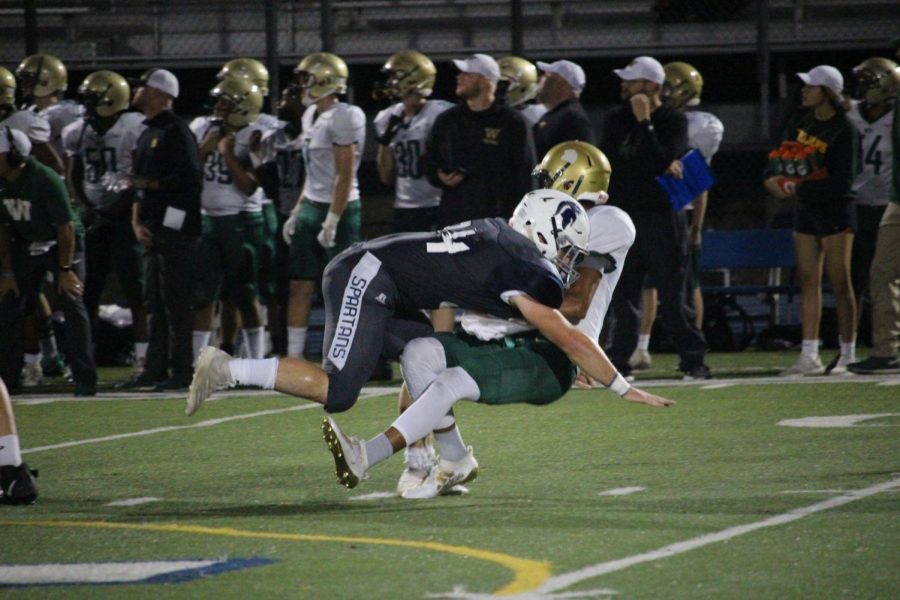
(220, 196)
(873, 184)
(413, 189)
(478, 265)
(106, 157)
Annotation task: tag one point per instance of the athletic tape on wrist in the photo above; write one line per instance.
(619, 385)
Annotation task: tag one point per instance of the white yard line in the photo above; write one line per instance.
(716, 386)
(622, 491)
(561, 582)
(133, 501)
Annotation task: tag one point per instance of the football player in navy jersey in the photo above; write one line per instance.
(374, 290)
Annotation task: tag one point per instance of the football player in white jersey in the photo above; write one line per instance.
(519, 85)
(682, 90)
(42, 82)
(401, 132)
(877, 83)
(227, 264)
(98, 147)
(45, 360)
(582, 171)
(326, 218)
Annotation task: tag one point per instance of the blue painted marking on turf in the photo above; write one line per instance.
(178, 576)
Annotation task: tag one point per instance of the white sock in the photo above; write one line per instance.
(260, 372)
(452, 445)
(378, 449)
(848, 351)
(810, 348)
(9, 451)
(451, 386)
(31, 359)
(644, 342)
(296, 341)
(140, 350)
(200, 339)
(255, 341)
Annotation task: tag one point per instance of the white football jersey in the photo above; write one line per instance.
(533, 113)
(220, 196)
(873, 184)
(343, 124)
(413, 189)
(36, 127)
(106, 157)
(287, 153)
(705, 132)
(612, 234)
(61, 115)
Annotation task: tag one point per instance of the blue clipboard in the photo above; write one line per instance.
(697, 178)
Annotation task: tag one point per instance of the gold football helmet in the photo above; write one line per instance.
(104, 93)
(407, 72)
(7, 88)
(41, 75)
(247, 68)
(575, 168)
(242, 99)
(321, 74)
(683, 85)
(877, 81)
(521, 79)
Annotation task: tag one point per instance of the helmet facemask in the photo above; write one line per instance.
(237, 102)
(876, 81)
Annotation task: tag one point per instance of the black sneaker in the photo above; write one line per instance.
(697, 373)
(176, 383)
(144, 380)
(17, 485)
(876, 365)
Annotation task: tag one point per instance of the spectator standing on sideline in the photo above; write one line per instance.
(642, 138)
(17, 485)
(40, 233)
(559, 90)
(682, 89)
(518, 87)
(99, 148)
(884, 277)
(875, 89)
(825, 217)
(167, 175)
(480, 152)
(327, 215)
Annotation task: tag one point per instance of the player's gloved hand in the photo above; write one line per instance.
(287, 230)
(393, 126)
(327, 236)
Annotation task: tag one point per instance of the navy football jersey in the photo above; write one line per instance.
(477, 265)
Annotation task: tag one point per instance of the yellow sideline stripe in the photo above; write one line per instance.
(528, 574)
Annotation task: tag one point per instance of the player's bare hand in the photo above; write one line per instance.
(642, 397)
(676, 170)
(451, 179)
(583, 381)
(211, 140)
(69, 284)
(226, 145)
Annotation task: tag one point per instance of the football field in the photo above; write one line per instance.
(750, 487)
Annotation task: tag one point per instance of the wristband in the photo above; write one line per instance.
(66, 268)
(331, 220)
(619, 385)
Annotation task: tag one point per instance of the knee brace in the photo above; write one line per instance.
(423, 359)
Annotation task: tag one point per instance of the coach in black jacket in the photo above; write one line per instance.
(480, 152)
(642, 138)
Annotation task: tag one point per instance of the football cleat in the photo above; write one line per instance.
(349, 454)
(420, 461)
(804, 366)
(17, 485)
(211, 374)
(640, 359)
(446, 479)
(32, 375)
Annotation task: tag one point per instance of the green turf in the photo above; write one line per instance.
(716, 460)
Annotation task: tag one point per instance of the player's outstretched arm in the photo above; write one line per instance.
(582, 350)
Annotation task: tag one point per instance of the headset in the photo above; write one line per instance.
(14, 158)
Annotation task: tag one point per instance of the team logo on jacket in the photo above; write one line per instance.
(492, 135)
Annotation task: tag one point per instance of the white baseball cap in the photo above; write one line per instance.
(482, 64)
(572, 73)
(162, 80)
(18, 139)
(826, 76)
(643, 67)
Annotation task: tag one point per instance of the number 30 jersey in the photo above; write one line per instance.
(413, 190)
(478, 265)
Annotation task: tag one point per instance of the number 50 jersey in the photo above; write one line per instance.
(477, 265)
(413, 190)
